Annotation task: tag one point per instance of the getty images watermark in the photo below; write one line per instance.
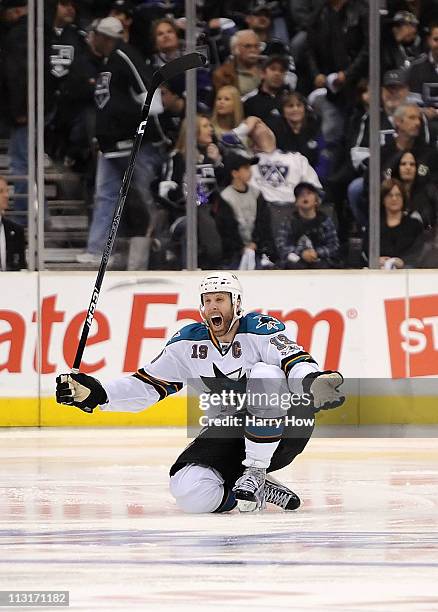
(261, 403)
(244, 402)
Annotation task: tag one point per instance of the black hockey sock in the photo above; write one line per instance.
(263, 430)
(228, 501)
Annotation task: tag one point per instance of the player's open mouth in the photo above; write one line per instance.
(217, 321)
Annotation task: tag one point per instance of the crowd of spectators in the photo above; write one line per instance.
(282, 142)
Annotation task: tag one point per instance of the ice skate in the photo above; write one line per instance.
(279, 495)
(249, 490)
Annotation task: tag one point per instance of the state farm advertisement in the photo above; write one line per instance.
(364, 323)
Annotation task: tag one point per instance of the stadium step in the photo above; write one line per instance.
(65, 259)
(68, 222)
(65, 204)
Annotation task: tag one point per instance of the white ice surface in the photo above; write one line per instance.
(88, 510)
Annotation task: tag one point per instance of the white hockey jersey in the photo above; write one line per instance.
(193, 353)
(277, 174)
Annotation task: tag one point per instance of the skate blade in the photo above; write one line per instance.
(245, 505)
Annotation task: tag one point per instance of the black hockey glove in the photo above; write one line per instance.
(323, 387)
(80, 390)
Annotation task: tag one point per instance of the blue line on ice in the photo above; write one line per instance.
(229, 562)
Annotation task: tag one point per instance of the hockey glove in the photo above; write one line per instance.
(323, 386)
(80, 390)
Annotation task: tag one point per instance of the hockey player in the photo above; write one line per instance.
(228, 348)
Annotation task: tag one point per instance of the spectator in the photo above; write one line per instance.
(401, 236)
(80, 112)
(299, 130)
(421, 194)
(237, 139)
(120, 92)
(259, 19)
(136, 19)
(401, 45)
(144, 15)
(349, 159)
(277, 173)
(163, 128)
(408, 124)
(422, 76)
(265, 101)
(12, 243)
(230, 129)
(394, 92)
(302, 12)
(242, 70)
(123, 10)
(168, 46)
(338, 59)
(218, 33)
(243, 219)
(227, 110)
(215, 32)
(63, 109)
(209, 172)
(153, 10)
(308, 240)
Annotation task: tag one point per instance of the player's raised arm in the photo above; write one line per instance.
(162, 377)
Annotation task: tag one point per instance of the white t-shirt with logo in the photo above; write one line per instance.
(277, 174)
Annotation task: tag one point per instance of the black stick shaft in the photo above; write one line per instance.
(181, 64)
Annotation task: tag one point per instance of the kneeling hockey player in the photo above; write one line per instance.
(223, 467)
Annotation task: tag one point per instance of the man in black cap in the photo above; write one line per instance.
(309, 239)
(259, 20)
(267, 21)
(265, 101)
(401, 45)
(394, 89)
(243, 218)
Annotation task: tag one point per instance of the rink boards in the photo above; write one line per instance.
(380, 329)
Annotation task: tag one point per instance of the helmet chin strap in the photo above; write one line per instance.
(233, 320)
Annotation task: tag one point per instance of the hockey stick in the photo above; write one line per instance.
(166, 72)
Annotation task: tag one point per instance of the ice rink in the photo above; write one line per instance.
(88, 510)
